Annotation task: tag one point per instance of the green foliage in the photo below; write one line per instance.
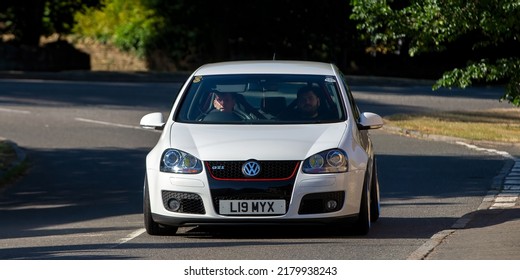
(376, 19)
(435, 25)
(507, 68)
(127, 23)
(58, 15)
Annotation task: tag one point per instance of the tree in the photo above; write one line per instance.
(187, 33)
(23, 20)
(27, 20)
(489, 28)
(126, 23)
(285, 29)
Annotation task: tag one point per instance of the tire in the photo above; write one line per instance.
(153, 228)
(375, 205)
(364, 222)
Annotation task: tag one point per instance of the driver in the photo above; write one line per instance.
(224, 102)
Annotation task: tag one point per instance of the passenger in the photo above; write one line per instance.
(307, 105)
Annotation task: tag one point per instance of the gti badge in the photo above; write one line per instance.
(251, 168)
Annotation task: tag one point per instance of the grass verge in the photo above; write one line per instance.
(8, 157)
(497, 125)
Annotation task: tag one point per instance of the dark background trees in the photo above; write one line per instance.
(183, 34)
(27, 20)
(189, 33)
(460, 41)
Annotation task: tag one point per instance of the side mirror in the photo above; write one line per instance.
(153, 121)
(370, 121)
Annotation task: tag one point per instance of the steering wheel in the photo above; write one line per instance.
(241, 114)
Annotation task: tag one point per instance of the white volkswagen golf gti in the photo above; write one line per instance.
(262, 142)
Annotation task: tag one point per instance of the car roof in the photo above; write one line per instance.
(266, 67)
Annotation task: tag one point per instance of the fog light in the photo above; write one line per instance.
(174, 205)
(332, 204)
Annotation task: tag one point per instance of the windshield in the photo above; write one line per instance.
(262, 99)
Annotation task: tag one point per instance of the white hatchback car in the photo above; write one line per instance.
(273, 142)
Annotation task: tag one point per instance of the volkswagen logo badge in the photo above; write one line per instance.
(251, 168)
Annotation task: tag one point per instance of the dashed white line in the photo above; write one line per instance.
(507, 197)
(107, 123)
(14, 111)
(510, 191)
(129, 237)
(503, 205)
(113, 124)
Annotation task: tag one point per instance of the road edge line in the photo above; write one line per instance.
(487, 202)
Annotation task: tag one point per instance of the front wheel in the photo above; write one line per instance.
(153, 228)
(375, 201)
(364, 222)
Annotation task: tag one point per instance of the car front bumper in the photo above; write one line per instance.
(306, 196)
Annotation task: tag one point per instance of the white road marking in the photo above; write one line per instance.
(113, 124)
(503, 205)
(510, 193)
(507, 197)
(14, 111)
(129, 237)
(493, 151)
(139, 231)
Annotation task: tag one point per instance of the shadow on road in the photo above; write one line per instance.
(72, 185)
(66, 186)
(491, 217)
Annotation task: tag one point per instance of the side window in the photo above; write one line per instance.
(353, 106)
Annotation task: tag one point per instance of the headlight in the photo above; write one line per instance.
(175, 161)
(330, 161)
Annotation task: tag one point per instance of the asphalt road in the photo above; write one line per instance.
(82, 195)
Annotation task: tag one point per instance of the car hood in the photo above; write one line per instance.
(260, 142)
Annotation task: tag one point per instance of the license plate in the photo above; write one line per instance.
(252, 207)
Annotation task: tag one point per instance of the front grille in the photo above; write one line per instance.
(191, 203)
(269, 170)
(316, 203)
